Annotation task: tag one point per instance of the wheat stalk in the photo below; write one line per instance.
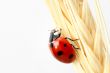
(78, 21)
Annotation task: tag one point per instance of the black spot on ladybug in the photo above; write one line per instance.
(51, 45)
(65, 45)
(70, 56)
(59, 53)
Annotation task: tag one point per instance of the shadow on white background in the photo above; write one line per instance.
(24, 26)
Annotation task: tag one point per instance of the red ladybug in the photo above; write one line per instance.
(61, 48)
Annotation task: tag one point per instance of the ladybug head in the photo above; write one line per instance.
(54, 34)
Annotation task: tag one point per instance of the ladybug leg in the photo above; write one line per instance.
(71, 39)
(75, 47)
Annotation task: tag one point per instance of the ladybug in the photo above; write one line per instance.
(61, 48)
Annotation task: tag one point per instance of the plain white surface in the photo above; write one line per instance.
(24, 26)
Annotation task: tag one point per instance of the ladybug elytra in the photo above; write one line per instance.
(61, 48)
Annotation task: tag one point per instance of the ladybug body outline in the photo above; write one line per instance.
(61, 48)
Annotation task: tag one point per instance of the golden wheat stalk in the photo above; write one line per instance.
(78, 21)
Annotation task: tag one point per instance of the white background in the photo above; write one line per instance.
(24, 32)
(24, 26)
